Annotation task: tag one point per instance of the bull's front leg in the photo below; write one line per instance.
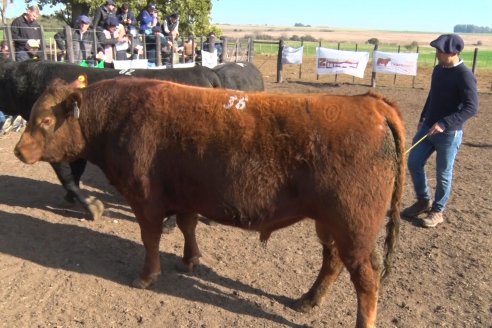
(150, 231)
(187, 224)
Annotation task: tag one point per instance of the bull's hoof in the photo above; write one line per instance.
(207, 221)
(96, 207)
(169, 225)
(145, 283)
(304, 305)
(187, 266)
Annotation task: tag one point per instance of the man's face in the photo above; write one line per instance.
(84, 26)
(32, 16)
(445, 59)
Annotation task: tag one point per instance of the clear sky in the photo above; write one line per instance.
(18, 7)
(394, 15)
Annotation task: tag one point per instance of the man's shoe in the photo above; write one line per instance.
(419, 207)
(433, 219)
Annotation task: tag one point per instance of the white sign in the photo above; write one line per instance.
(292, 55)
(329, 61)
(395, 63)
(209, 59)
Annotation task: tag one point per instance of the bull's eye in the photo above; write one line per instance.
(47, 122)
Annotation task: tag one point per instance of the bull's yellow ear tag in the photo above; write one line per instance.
(82, 81)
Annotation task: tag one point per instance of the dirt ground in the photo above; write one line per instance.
(59, 270)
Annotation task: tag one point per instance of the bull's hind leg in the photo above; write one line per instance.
(330, 270)
(364, 269)
(187, 224)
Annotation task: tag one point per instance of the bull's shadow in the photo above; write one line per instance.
(77, 249)
(26, 192)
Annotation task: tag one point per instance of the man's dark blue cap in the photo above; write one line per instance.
(449, 44)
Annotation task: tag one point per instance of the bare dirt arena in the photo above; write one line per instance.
(59, 270)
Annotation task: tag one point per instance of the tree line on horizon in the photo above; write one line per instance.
(470, 28)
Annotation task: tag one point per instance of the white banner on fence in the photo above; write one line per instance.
(292, 55)
(209, 59)
(331, 61)
(395, 63)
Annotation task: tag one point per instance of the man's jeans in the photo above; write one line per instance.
(446, 145)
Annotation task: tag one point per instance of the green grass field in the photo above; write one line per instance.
(426, 54)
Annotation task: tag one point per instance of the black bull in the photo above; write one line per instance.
(22, 83)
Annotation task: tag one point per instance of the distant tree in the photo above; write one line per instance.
(470, 28)
(309, 38)
(295, 38)
(412, 45)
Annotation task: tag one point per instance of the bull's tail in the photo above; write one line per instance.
(395, 124)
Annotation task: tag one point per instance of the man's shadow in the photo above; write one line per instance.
(78, 249)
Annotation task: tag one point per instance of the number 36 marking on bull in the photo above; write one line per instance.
(236, 102)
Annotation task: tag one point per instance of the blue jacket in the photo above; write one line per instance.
(452, 99)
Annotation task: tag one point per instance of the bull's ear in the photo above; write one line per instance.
(72, 104)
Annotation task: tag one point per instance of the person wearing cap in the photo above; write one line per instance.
(148, 19)
(127, 18)
(111, 35)
(170, 26)
(452, 100)
(83, 41)
(103, 12)
(26, 34)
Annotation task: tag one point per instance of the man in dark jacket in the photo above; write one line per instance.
(26, 34)
(103, 12)
(452, 100)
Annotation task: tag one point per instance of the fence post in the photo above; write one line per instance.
(413, 80)
(224, 49)
(475, 55)
(338, 48)
(353, 77)
(279, 61)
(373, 75)
(42, 45)
(69, 44)
(251, 50)
(317, 75)
(8, 35)
(300, 66)
(158, 52)
(94, 46)
(394, 78)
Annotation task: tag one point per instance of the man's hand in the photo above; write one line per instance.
(436, 128)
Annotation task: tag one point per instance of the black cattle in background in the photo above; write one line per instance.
(240, 76)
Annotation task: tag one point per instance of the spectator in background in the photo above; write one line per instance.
(26, 34)
(82, 39)
(126, 18)
(4, 50)
(109, 36)
(211, 45)
(170, 27)
(103, 12)
(189, 50)
(151, 45)
(83, 42)
(148, 19)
